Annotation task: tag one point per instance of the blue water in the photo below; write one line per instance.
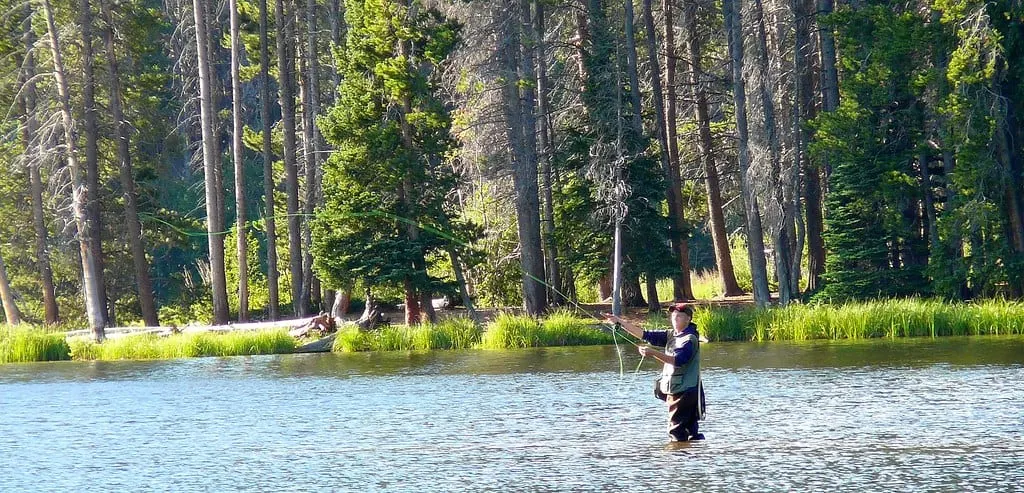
(922, 415)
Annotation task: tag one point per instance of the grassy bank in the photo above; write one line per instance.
(184, 346)
(890, 318)
(24, 343)
(504, 332)
(887, 318)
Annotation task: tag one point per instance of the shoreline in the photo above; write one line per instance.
(718, 322)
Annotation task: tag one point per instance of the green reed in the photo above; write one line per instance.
(23, 344)
(911, 317)
(512, 331)
(564, 328)
(454, 333)
(149, 346)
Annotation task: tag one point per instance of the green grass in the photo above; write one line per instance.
(511, 331)
(561, 328)
(455, 333)
(884, 318)
(143, 347)
(24, 344)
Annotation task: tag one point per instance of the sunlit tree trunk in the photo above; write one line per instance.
(91, 130)
(124, 158)
(546, 134)
(681, 286)
(286, 79)
(268, 166)
(7, 296)
(214, 219)
(511, 53)
(93, 287)
(311, 144)
(238, 156)
(674, 205)
(705, 144)
(755, 235)
(29, 132)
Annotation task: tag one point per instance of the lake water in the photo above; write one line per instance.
(906, 415)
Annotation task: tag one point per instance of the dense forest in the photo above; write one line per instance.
(166, 161)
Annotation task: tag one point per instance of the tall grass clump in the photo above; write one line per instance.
(25, 344)
(861, 320)
(725, 324)
(351, 340)
(455, 333)
(563, 328)
(151, 346)
(511, 331)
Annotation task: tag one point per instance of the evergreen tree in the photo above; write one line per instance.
(390, 169)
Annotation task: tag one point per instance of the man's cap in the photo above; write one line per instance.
(680, 306)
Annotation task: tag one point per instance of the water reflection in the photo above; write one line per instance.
(942, 415)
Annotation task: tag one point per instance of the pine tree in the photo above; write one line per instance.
(391, 135)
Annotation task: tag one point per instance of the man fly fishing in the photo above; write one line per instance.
(680, 384)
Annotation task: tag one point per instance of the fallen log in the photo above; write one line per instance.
(163, 331)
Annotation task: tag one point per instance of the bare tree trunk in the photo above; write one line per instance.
(286, 79)
(552, 267)
(518, 119)
(342, 302)
(653, 305)
(238, 156)
(771, 138)
(91, 128)
(527, 197)
(307, 170)
(214, 220)
(50, 310)
(660, 121)
(132, 224)
(719, 237)
(631, 70)
(311, 137)
(93, 287)
(755, 235)
(336, 17)
(681, 286)
(268, 166)
(829, 74)
(29, 130)
(460, 277)
(7, 296)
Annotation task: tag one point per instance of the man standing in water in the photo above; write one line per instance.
(680, 376)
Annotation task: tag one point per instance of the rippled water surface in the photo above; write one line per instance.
(918, 415)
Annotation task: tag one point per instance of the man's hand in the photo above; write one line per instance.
(644, 350)
(627, 326)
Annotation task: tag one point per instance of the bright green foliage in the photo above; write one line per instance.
(562, 328)
(24, 344)
(383, 178)
(455, 333)
(511, 331)
(885, 318)
(184, 346)
(982, 98)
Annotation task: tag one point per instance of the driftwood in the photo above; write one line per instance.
(323, 324)
(372, 319)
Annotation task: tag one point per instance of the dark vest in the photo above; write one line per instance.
(678, 379)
